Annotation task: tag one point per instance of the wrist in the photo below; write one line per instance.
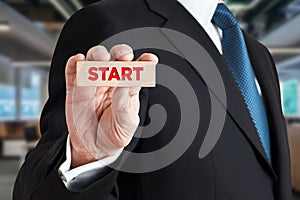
(79, 154)
(79, 158)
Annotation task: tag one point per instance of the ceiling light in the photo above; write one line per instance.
(4, 26)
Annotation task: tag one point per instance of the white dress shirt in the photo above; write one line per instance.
(69, 175)
(203, 12)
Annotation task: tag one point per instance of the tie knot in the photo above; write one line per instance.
(223, 17)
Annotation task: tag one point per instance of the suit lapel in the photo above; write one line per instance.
(179, 19)
(162, 7)
(271, 99)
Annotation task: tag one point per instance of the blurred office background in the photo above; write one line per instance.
(28, 33)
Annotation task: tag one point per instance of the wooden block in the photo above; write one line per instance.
(116, 73)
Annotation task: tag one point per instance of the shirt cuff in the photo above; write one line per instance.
(67, 175)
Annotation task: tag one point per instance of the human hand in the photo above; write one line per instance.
(101, 120)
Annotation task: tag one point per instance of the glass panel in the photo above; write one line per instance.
(7, 102)
(30, 105)
(290, 97)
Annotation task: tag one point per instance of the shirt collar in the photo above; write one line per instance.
(202, 11)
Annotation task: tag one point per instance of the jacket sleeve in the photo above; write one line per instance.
(38, 178)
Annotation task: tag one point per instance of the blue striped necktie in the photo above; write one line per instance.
(236, 56)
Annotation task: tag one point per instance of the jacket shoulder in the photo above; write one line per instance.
(123, 13)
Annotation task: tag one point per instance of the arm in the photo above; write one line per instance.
(69, 176)
(38, 177)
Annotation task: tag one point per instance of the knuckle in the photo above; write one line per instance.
(121, 50)
(98, 53)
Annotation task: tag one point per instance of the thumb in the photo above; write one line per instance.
(70, 71)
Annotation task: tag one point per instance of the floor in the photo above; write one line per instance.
(296, 196)
(8, 171)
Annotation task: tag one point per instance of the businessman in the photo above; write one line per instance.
(249, 161)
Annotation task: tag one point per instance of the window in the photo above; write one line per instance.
(7, 102)
(20, 96)
(30, 104)
(290, 97)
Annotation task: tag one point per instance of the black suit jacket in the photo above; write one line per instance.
(236, 168)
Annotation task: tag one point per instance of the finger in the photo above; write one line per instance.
(122, 52)
(148, 57)
(125, 101)
(103, 99)
(121, 97)
(70, 71)
(98, 53)
(144, 57)
(125, 106)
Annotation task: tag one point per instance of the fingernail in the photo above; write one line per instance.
(122, 52)
(100, 55)
(95, 54)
